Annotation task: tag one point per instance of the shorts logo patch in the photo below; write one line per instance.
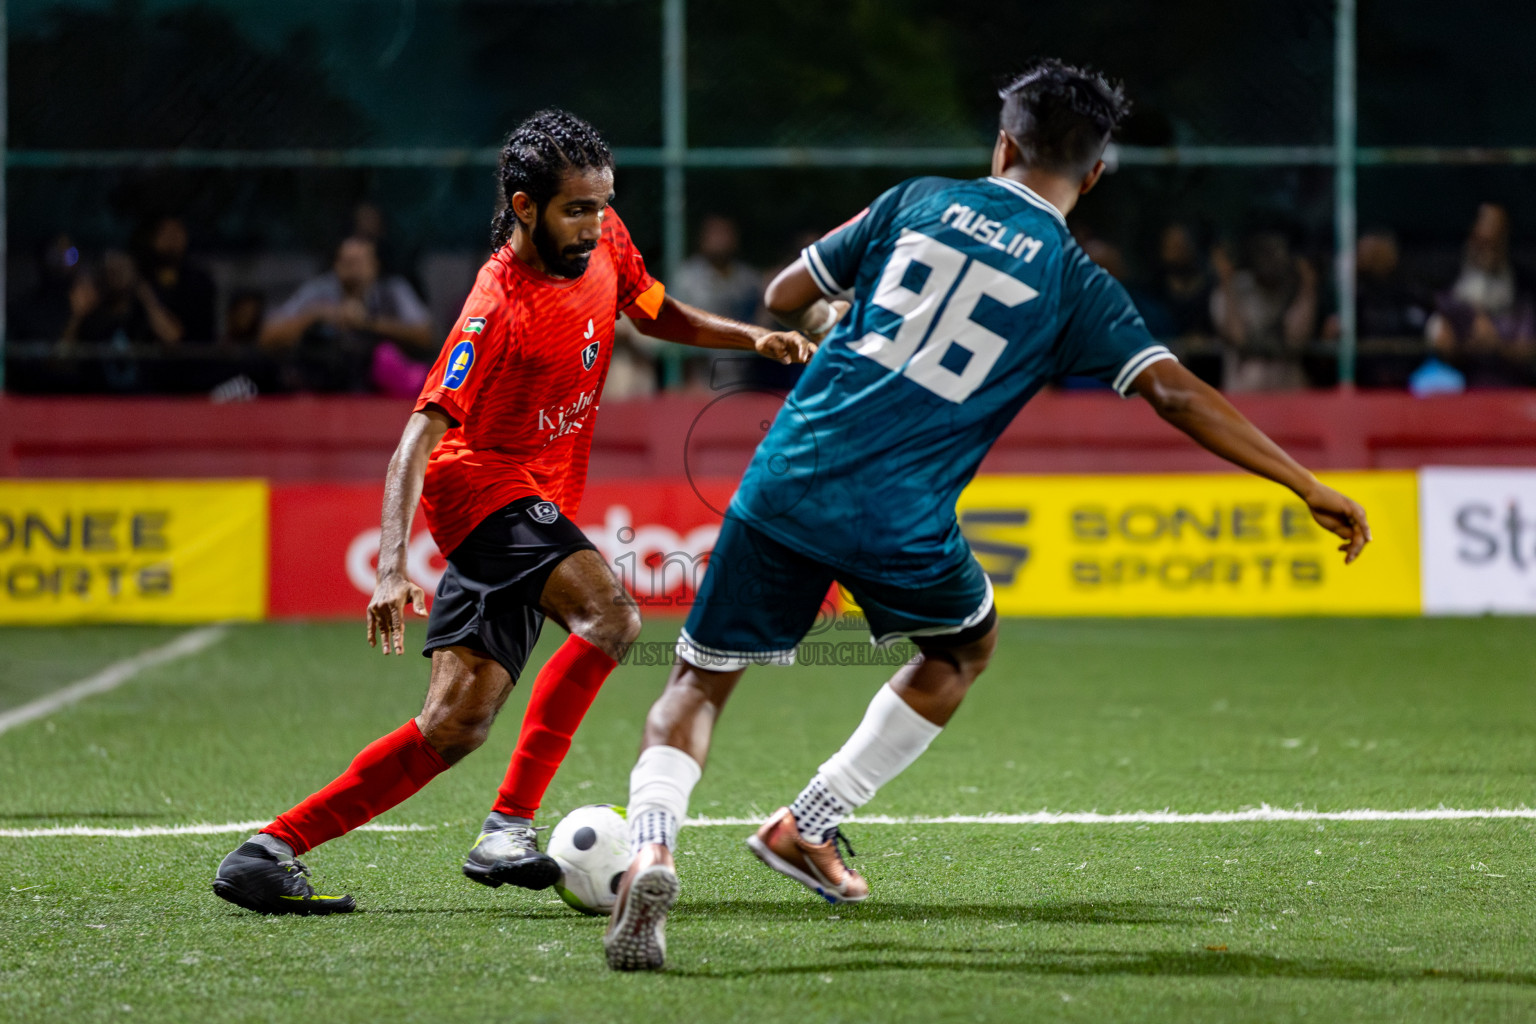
(544, 512)
(589, 355)
(459, 361)
(474, 325)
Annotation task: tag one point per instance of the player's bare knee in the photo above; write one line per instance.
(611, 628)
(623, 622)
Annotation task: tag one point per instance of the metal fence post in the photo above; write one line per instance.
(5, 69)
(674, 141)
(1344, 157)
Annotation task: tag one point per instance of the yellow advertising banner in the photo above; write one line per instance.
(132, 551)
(1188, 545)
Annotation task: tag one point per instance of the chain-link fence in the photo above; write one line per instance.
(272, 131)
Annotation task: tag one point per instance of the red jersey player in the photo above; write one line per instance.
(496, 450)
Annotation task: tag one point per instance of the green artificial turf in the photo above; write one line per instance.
(1253, 921)
(36, 661)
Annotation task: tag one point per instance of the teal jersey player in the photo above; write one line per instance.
(967, 298)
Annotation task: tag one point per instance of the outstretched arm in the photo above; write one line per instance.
(688, 325)
(796, 302)
(402, 489)
(1200, 411)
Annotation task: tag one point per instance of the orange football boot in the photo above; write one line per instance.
(817, 866)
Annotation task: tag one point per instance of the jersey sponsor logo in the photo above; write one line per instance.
(589, 355)
(544, 512)
(590, 329)
(474, 325)
(568, 417)
(459, 362)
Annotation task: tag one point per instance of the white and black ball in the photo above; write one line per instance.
(591, 845)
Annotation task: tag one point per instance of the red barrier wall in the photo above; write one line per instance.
(325, 543)
(350, 438)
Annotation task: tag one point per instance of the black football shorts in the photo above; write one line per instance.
(488, 598)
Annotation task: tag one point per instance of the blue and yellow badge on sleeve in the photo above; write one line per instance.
(459, 362)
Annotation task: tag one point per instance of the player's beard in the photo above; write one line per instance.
(568, 262)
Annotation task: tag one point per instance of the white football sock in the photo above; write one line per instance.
(659, 788)
(890, 737)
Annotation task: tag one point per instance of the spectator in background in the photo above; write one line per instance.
(1386, 307)
(41, 312)
(115, 304)
(243, 317)
(1106, 255)
(369, 222)
(1176, 303)
(350, 330)
(715, 280)
(185, 292)
(1265, 312)
(1178, 300)
(1485, 325)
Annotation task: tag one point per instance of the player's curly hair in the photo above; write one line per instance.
(1062, 116)
(535, 157)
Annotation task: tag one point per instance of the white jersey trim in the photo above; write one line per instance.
(1138, 362)
(820, 274)
(970, 620)
(1029, 195)
(712, 660)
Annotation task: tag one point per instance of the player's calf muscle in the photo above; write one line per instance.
(465, 694)
(684, 715)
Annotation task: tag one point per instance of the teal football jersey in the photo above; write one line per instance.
(968, 297)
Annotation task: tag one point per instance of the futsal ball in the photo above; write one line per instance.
(591, 845)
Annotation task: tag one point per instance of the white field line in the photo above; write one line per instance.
(1262, 813)
(113, 676)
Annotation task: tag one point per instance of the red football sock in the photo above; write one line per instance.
(387, 771)
(562, 693)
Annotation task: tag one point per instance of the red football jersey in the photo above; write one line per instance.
(521, 374)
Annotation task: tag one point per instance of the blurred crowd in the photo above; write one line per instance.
(1254, 313)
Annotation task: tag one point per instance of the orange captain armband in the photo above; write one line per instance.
(649, 301)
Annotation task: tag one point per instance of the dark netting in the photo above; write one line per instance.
(271, 131)
(922, 72)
